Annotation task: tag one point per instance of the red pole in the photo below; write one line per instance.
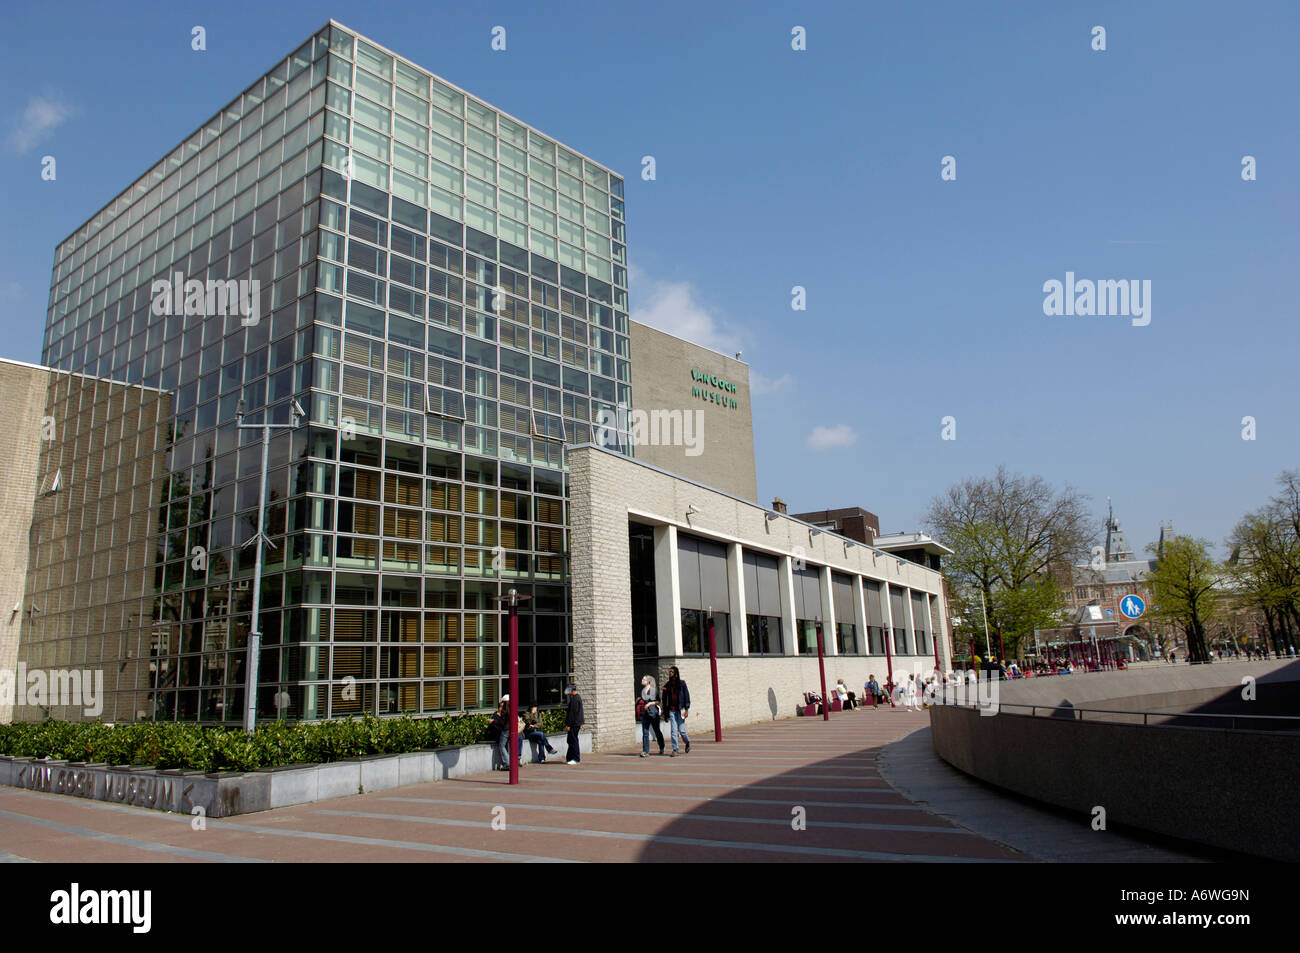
(513, 753)
(937, 666)
(821, 664)
(889, 664)
(713, 673)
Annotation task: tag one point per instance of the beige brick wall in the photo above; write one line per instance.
(22, 401)
(607, 491)
(602, 608)
(90, 560)
(661, 380)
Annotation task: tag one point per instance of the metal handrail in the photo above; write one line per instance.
(1078, 713)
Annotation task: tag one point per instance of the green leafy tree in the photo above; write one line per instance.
(1183, 586)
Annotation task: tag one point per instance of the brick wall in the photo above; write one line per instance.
(608, 490)
(22, 401)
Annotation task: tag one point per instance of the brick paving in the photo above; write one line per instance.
(737, 801)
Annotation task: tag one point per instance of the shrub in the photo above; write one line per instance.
(196, 747)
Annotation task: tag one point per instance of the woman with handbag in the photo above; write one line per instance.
(650, 714)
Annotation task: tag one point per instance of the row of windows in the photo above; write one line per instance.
(248, 124)
(307, 702)
(213, 216)
(474, 169)
(764, 636)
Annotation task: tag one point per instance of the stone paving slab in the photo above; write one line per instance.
(796, 790)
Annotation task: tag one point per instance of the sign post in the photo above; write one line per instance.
(1132, 606)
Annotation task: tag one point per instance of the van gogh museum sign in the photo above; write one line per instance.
(714, 389)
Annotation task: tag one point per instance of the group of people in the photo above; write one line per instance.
(672, 703)
(906, 693)
(1261, 652)
(530, 728)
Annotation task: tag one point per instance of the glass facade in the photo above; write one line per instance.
(443, 290)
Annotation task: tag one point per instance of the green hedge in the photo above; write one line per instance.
(178, 745)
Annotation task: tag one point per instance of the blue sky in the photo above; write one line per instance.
(821, 168)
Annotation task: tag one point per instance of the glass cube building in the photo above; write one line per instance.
(442, 288)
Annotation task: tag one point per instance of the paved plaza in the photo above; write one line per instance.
(794, 790)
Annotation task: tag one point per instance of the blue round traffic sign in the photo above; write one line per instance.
(1132, 607)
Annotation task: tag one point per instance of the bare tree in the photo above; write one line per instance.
(1016, 541)
(1265, 561)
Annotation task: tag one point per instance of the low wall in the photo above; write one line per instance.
(1178, 682)
(229, 794)
(1228, 789)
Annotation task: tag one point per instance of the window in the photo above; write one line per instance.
(845, 603)
(807, 629)
(702, 574)
(846, 638)
(898, 610)
(807, 607)
(695, 632)
(765, 635)
(875, 618)
(920, 625)
(764, 602)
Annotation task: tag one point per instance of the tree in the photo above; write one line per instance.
(1013, 538)
(1183, 587)
(1265, 562)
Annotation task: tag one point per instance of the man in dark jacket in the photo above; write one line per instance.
(573, 720)
(677, 703)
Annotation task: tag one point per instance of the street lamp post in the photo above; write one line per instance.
(821, 667)
(511, 600)
(988, 649)
(713, 676)
(255, 630)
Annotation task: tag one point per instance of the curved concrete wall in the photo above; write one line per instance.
(1098, 689)
(1227, 789)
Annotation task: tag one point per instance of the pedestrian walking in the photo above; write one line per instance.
(650, 715)
(898, 694)
(877, 692)
(677, 701)
(912, 702)
(573, 720)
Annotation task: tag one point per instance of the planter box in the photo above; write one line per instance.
(231, 794)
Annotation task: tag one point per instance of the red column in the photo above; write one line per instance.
(513, 752)
(713, 672)
(821, 665)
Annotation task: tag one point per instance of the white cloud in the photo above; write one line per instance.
(824, 438)
(41, 117)
(671, 306)
(760, 383)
